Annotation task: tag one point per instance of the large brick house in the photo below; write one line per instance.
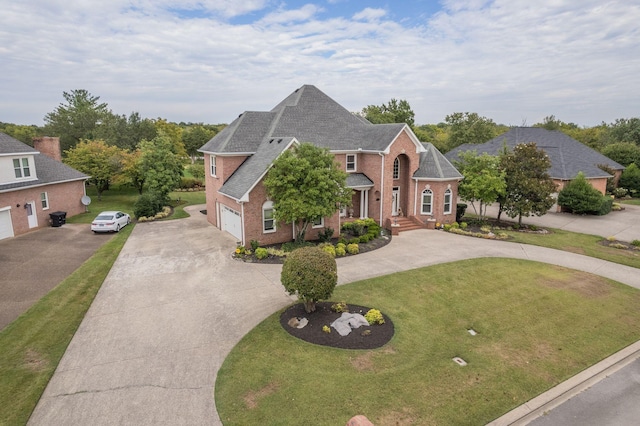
(35, 183)
(392, 174)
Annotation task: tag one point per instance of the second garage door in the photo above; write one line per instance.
(6, 227)
(231, 222)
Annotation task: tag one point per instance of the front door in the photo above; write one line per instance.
(395, 201)
(31, 214)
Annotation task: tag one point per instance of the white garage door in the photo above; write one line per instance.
(231, 222)
(6, 227)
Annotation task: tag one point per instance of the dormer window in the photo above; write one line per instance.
(21, 167)
(351, 163)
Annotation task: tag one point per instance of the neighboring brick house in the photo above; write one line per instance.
(33, 185)
(392, 174)
(568, 156)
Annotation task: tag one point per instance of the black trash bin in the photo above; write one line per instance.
(58, 218)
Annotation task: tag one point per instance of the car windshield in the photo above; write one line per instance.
(105, 217)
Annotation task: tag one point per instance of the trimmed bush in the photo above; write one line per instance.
(353, 248)
(461, 209)
(605, 206)
(340, 251)
(148, 205)
(374, 316)
(330, 249)
(261, 253)
(580, 197)
(311, 274)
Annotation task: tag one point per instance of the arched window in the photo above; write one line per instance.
(268, 222)
(447, 201)
(396, 168)
(427, 201)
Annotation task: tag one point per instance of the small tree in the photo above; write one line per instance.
(529, 186)
(311, 274)
(630, 179)
(305, 184)
(483, 180)
(160, 165)
(97, 159)
(579, 197)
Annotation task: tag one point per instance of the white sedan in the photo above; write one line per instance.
(110, 221)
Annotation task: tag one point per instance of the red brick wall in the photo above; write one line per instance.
(62, 197)
(438, 189)
(225, 166)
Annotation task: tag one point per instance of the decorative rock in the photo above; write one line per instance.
(359, 421)
(293, 322)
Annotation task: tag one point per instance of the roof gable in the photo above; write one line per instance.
(434, 165)
(568, 156)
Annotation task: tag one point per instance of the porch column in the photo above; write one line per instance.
(364, 204)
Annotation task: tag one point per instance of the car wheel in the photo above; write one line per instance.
(118, 228)
(128, 220)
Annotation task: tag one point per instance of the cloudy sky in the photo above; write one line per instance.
(515, 61)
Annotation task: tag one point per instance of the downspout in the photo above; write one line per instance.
(415, 199)
(381, 186)
(242, 221)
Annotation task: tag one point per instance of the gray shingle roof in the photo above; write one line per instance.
(567, 155)
(434, 165)
(358, 180)
(251, 171)
(308, 115)
(48, 170)
(9, 145)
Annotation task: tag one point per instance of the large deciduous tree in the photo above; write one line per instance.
(483, 181)
(97, 159)
(469, 127)
(395, 111)
(77, 118)
(194, 137)
(529, 187)
(306, 184)
(624, 153)
(160, 165)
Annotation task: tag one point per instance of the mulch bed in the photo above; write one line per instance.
(366, 337)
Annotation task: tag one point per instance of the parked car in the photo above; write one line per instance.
(110, 221)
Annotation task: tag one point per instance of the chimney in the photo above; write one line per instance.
(49, 146)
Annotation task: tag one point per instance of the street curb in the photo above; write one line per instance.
(541, 404)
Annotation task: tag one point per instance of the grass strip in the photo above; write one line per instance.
(537, 325)
(31, 347)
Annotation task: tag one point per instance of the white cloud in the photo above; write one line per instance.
(506, 59)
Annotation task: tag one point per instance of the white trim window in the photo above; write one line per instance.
(351, 163)
(44, 199)
(427, 201)
(212, 165)
(21, 167)
(396, 168)
(317, 223)
(268, 220)
(447, 201)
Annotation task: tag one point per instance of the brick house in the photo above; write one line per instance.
(396, 179)
(568, 156)
(35, 183)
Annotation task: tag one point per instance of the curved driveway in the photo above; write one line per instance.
(175, 304)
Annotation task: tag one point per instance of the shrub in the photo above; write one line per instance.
(635, 243)
(340, 251)
(326, 329)
(463, 225)
(374, 316)
(620, 192)
(342, 239)
(276, 252)
(580, 197)
(261, 253)
(355, 240)
(365, 238)
(353, 248)
(148, 204)
(196, 170)
(292, 245)
(461, 209)
(254, 244)
(606, 205)
(325, 235)
(328, 248)
(189, 183)
(630, 178)
(311, 274)
(340, 307)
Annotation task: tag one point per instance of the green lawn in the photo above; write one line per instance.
(534, 331)
(634, 201)
(124, 198)
(32, 345)
(578, 243)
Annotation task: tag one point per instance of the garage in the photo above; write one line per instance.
(231, 222)
(6, 227)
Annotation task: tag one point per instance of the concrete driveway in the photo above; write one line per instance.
(32, 264)
(175, 303)
(623, 225)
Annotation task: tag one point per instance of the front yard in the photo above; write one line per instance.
(533, 332)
